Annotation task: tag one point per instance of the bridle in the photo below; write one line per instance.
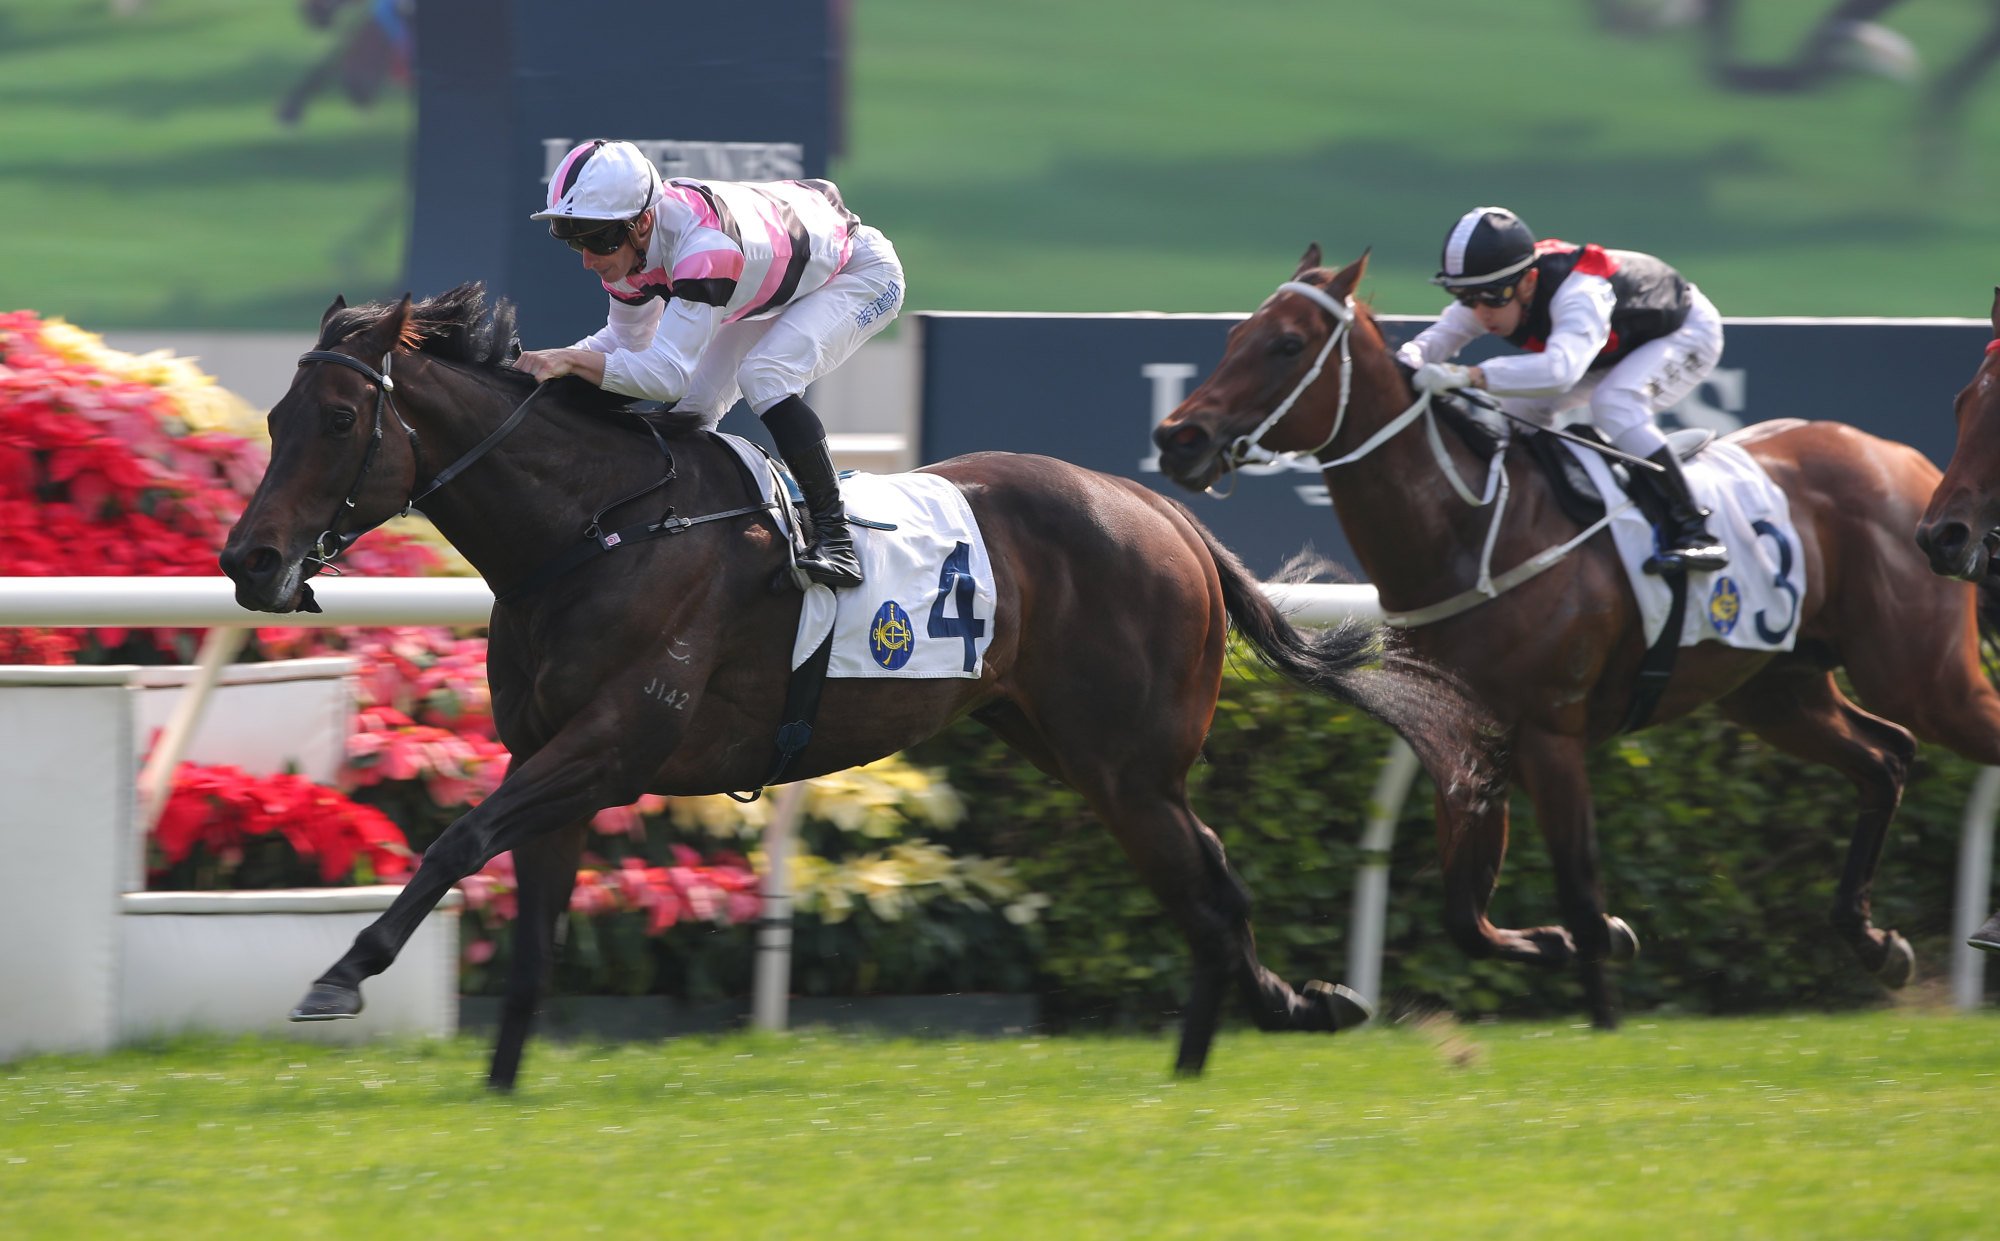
(1248, 447)
(335, 539)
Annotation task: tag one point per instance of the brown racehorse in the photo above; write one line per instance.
(1960, 528)
(1554, 659)
(662, 666)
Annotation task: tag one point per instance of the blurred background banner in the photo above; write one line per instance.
(210, 164)
(725, 92)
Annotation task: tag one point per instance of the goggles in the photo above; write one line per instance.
(1489, 296)
(594, 236)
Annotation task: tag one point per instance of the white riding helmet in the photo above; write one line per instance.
(601, 180)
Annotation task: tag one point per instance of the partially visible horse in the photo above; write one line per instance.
(1961, 528)
(1556, 657)
(662, 666)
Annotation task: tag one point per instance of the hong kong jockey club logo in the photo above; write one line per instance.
(890, 638)
(1725, 604)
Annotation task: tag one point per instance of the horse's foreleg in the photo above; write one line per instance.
(545, 874)
(1798, 708)
(1472, 843)
(1553, 770)
(574, 777)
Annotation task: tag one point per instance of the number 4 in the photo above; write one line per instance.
(955, 580)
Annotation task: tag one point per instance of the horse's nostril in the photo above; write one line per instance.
(256, 564)
(1948, 539)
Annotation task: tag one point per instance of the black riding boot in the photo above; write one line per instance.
(801, 438)
(1682, 525)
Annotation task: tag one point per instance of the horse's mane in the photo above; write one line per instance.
(465, 327)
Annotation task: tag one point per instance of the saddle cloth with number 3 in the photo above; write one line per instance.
(1754, 602)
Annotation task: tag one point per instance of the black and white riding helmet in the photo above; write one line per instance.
(1488, 245)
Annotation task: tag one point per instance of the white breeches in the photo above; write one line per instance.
(1624, 398)
(766, 360)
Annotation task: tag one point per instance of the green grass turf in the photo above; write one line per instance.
(1872, 1126)
(1048, 155)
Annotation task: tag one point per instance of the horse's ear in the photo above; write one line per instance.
(1348, 278)
(1310, 260)
(339, 304)
(395, 326)
(1996, 312)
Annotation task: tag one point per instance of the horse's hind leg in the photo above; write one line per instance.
(1186, 867)
(1795, 705)
(545, 874)
(1143, 801)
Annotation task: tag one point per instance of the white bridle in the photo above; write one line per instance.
(1248, 448)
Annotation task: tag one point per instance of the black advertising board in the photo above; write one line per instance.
(1089, 389)
(727, 92)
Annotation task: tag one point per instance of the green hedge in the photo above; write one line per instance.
(1722, 854)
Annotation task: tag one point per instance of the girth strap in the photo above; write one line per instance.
(802, 693)
(1658, 665)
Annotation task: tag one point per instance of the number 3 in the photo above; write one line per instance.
(1782, 582)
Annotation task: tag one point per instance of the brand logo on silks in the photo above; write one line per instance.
(1725, 604)
(891, 640)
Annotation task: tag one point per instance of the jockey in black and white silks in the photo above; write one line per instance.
(1616, 330)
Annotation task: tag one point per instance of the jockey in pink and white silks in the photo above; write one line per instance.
(725, 288)
(1616, 329)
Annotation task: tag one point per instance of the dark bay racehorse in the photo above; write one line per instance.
(1961, 528)
(661, 667)
(1555, 658)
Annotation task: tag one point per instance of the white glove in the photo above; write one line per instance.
(1443, 376)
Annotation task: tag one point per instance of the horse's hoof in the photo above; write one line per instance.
(1343, 1006)
(1987, 937)
(1624, 944)
(328, 1002)
(1900, 963)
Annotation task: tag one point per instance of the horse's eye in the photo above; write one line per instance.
(1288, 346)
(339, 421)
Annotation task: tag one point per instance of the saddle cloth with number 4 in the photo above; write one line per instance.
(925, 606)
(1754, 602)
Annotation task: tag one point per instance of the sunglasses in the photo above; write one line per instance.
(1484, 297)
(598, 239)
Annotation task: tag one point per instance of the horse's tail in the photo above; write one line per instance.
(1363, 663)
